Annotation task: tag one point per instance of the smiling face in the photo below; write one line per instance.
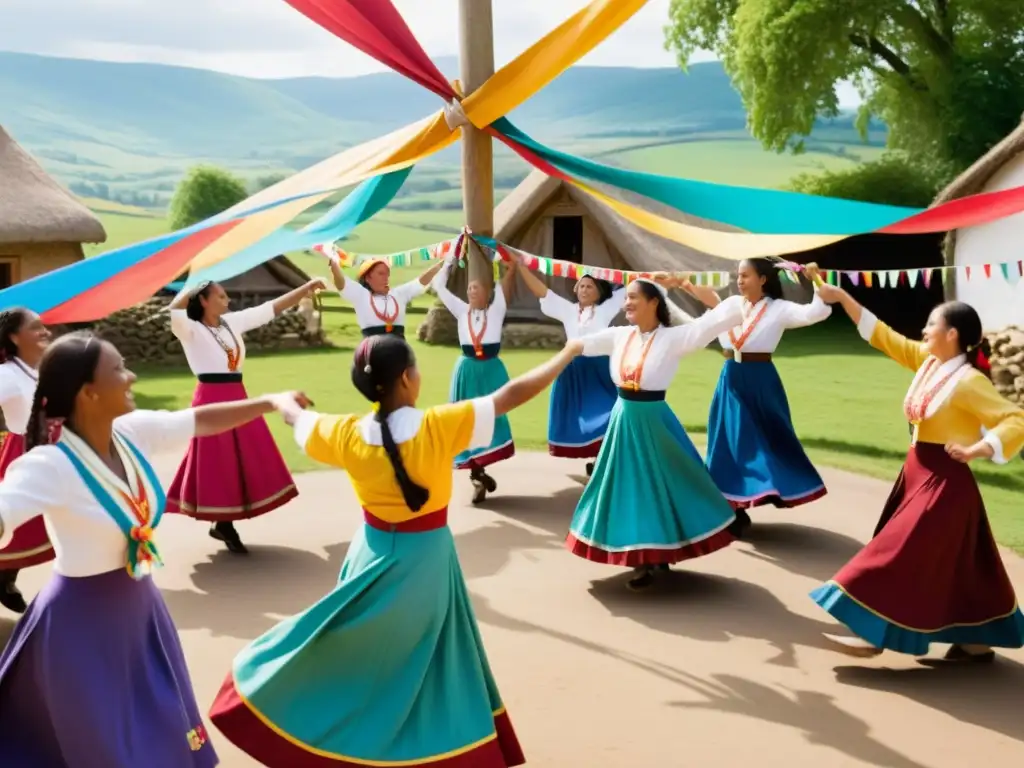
(378, 278)
(215, 303)
(476, 293)
(109, 394)
(938, 337)
(587, 293)
(640, 309)
(749, 283)
(32, 338)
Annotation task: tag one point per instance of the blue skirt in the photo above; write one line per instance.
(474, 377)
(650, 500)
(582, 399)
(95, 677)
(387, 669)
(753, 452)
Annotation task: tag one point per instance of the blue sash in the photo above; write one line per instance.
(142, 551)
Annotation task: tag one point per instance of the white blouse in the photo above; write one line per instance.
(578, 321)
(85, 538)
(365, 302)
(668, 346)
(780, 316)
(493, 315)
(17, 390)
(202, 350)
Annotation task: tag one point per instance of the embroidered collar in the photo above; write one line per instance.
(956, 368)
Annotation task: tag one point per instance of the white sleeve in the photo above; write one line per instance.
(304, 426)
(866, 326)
(610, 307)
(406, 292)
(684, 339)
(30, 488)
(156, 432)
(558, 308)
(483, 422)
(801, 315)
(454, 304)
(253, 317)
(181, 326)
(353, 291)
(499, 305)
(601, 343)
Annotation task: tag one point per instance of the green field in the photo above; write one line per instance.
(842, 423)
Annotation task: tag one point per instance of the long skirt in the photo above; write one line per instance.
(932, 572)
(582, 399)
(94, 677)
(388, 669)
(472, 378)
(235, 475)
(753, 452)
(31, 544)
(650, 500)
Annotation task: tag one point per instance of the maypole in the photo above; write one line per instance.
(476, 66)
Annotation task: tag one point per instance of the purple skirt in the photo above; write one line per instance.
(94, 677)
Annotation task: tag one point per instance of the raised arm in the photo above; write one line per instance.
(910, 354)
(526, 387)
(454, 304)
(508, 282)
(610, 307)
(534, 283)
(292, 298)
(699, 333)
(428, 274)
(801, 315)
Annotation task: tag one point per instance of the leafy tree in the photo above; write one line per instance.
(263, 182)
(893, 179)
(204, 192)
(946, 76)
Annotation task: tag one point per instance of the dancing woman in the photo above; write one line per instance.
(753, 452)
(23, 339)
(378, 308)
(932, 572)
(389, 668)
(583, 396)
(94, 675)
(651, 501)
(239, 474)
(479, 372)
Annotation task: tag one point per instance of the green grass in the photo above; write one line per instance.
(846, 401)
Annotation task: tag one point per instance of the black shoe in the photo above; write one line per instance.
(957, 655)
(10, 596)
(741, 524)
(226, 533)
(590, 469)
(643, 579)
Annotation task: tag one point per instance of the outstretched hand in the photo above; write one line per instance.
(289, 404)
(830, 294)
(705, 294)
(316, 284)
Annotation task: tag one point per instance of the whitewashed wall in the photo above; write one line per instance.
(999, 303)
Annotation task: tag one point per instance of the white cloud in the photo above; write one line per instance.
(268, 38)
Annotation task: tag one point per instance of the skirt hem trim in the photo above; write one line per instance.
(491, 456)
(212, 514)
(773, 497)
(635, 558)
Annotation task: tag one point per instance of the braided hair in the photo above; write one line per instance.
(377, 368)
(11, 322)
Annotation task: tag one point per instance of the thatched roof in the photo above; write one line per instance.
(36, 209)
(974, 179)
(643, 250)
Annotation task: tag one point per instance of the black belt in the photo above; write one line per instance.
(220, 378)
(488, 351)
(641, 395)
(381, 330)
(748, 357)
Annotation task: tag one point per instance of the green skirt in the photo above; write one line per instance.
(475, 377)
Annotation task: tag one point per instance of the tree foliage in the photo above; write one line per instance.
(204, 192)
(946, 76)
(893, 179)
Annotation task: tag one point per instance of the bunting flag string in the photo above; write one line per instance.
(1012, 272)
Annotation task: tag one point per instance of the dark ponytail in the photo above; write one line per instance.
(772, 287)
(970, 335)
(379, 364)
(67, 365)
(194, 309)
(652, 292)
(11, 322)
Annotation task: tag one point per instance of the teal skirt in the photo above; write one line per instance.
(478, 377)
(388, 669)
(650, 500)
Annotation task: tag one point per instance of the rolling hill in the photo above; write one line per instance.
(128, 131)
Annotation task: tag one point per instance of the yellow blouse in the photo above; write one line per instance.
(428, 441)
(972, 404)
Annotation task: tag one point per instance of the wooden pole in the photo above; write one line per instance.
(476, 65)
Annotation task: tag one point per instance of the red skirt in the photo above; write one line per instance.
(30, 545)
(236, 475)
(932, 572)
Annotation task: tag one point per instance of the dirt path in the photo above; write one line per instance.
(720, 666)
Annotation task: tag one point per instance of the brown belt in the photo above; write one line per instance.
(748, 357)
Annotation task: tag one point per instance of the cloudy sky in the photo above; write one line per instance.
(267, 38)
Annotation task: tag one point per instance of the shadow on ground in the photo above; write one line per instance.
(802, 550)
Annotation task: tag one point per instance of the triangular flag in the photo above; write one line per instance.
(988, 270)
(883, 278)
(912, 276)
(894, 277)
(854, 278)
(1020, 268)
(967, 272)
(1005, 269)
(926, 274)
(942, 276)
(867, 279)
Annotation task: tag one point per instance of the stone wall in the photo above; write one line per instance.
(440, 328)
(1008, 362)
(143, 333)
